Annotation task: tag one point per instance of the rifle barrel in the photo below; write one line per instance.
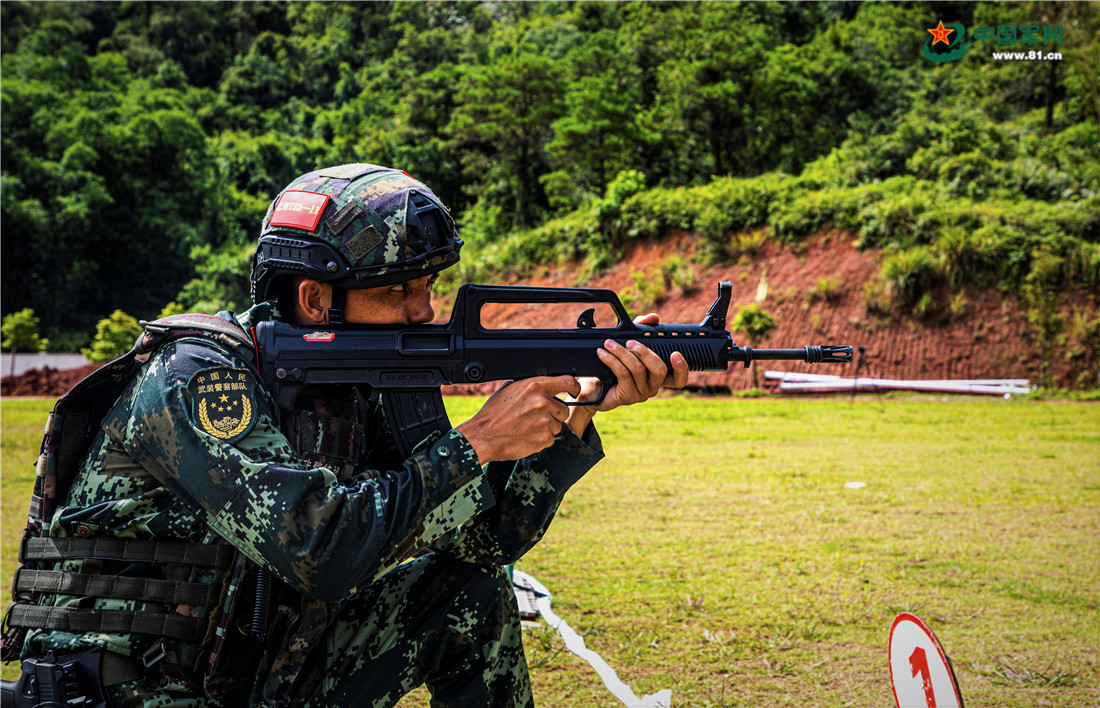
(811, 354)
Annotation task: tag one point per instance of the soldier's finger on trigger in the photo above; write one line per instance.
(563, 384)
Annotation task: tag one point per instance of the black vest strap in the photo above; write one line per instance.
(125, 549)
(119, 587)
(81, 621)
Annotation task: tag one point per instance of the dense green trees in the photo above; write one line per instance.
(141, 142)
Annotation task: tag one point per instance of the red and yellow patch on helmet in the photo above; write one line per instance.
(299, 210)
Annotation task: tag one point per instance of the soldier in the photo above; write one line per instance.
(291, 557)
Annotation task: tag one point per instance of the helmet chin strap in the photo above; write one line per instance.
(336, 310)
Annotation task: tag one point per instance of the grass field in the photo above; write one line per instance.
(717, 552)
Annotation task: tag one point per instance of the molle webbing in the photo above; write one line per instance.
(80, 621)
(169, 592)
(125, 549)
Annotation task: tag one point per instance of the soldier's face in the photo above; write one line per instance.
(403, 303)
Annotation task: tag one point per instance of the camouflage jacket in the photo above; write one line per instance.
(196, 450)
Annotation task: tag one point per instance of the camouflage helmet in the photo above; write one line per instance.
(354, 226)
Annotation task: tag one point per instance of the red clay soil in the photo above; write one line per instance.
(46, 381)
(989, 338)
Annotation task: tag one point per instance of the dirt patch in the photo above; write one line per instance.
(46, 381)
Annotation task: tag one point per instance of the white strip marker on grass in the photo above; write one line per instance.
(796, 382)
(575, 643)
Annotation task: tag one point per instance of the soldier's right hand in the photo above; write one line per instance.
(520, 419)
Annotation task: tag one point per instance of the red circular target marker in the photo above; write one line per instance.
(920, 673)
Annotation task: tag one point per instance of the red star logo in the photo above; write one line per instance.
(940, 34)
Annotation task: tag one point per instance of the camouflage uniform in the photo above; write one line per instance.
(387, 571)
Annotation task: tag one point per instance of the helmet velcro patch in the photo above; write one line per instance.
(343, 218)
(223, 402)
(299, 210)
(363, 242)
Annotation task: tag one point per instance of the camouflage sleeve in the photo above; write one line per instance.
(527, 494)
(201, 422)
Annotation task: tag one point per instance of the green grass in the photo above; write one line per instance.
(22, 424)
(717, 552)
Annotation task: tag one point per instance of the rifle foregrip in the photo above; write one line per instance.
(700, 356)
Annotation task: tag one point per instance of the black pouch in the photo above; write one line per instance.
(74, 680)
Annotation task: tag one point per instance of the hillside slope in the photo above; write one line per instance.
(989, 336)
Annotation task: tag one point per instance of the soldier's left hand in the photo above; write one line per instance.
(639, 374)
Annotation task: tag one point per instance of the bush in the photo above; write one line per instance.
(735, 204)
(645, 294)
(172, 308)
(901, 216)
(909, 275)
(953, 197)
(1083, 264)
(801, 215)
(962, 256)
(114, 336)
(958, 304)
(675, 273)
(20, 332)
(608, 211)
(875, 298)
(827, 289)
(658, 211)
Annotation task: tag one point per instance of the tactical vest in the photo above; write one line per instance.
(70, 430)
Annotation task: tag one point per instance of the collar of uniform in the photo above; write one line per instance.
(263, 312)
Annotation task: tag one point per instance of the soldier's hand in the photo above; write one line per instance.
(639, 374)
(520, 419)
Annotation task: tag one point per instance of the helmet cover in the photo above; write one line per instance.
(354, 226)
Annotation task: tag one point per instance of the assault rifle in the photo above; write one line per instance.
(409, 363)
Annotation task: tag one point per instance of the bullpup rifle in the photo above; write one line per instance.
(408, 364)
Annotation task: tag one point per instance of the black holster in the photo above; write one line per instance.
(73, 681)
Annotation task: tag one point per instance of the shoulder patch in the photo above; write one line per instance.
(223, 401)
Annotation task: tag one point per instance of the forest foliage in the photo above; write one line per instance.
(142, 142)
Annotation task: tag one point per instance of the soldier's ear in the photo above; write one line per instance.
(314, 300)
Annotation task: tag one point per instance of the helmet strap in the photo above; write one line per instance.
(336, 311)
